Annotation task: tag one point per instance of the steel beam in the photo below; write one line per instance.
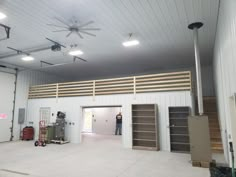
(7, 29)
(25, 51)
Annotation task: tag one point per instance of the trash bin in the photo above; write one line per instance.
(217, 171)
(50, 134)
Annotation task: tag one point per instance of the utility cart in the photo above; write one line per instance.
(42, 134)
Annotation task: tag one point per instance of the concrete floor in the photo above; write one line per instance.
(97, 156)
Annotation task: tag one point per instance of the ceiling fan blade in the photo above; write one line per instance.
(95, 29)
(58, 26)
(60, 30)
(87, 33)
(69, 34)
(85, 24)
(62, 21)
(80, 59)
(79, 35)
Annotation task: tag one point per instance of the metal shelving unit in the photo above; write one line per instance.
(179, 135)
(145, 127)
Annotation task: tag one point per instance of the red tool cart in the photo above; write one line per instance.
(28, 133)
(42, 134)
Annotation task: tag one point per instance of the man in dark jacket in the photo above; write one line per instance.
(118, 123)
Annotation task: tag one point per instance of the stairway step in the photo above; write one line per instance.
(220, 151)
(215, 135)
(215, 128)
(211, 113)
(212, 140)
(217, 143)
(217, 148)
(214, 123)
(210, 108)
(215, 138)
(212, 119)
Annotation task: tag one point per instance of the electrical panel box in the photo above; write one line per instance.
(21, 116)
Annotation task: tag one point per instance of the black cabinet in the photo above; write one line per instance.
(178, 125)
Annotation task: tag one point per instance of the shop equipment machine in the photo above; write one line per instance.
(59, 127)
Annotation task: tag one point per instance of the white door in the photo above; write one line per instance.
(104, 120)
(45, 114)
(7, 86)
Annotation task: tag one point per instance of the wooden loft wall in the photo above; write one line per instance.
(174, 81)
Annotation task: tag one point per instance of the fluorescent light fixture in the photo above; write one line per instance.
(75, 52)
(27, 58)
(130, 43)
(2, 15)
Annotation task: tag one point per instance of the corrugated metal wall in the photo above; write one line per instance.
(73, 108)
(24, 80)
(225, 65)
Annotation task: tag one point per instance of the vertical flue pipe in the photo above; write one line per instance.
(195, 27)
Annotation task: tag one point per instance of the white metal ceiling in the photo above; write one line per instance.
(159, 25)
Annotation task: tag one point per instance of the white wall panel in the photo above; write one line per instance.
(24, 80)
(73, 108)
(225, 66)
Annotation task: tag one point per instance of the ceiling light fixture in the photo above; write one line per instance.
(27, 58)
(2, 15)
(130, 42)
(75, 52)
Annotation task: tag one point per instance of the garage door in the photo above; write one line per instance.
(7, 87)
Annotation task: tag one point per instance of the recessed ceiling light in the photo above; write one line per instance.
(130, 43)
(27, 58)
(2, 15)
(75, 52)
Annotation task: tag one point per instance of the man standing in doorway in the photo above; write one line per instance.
(118, 123)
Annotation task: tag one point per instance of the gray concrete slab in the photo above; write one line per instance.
(98, 155)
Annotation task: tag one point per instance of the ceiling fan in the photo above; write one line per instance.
(74, 27)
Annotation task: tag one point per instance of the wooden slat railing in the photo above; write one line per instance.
(43, 91)
(84, 88)
(175, 81)
(114, 86)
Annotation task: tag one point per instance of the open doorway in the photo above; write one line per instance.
(87, 120)
(100, 122)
